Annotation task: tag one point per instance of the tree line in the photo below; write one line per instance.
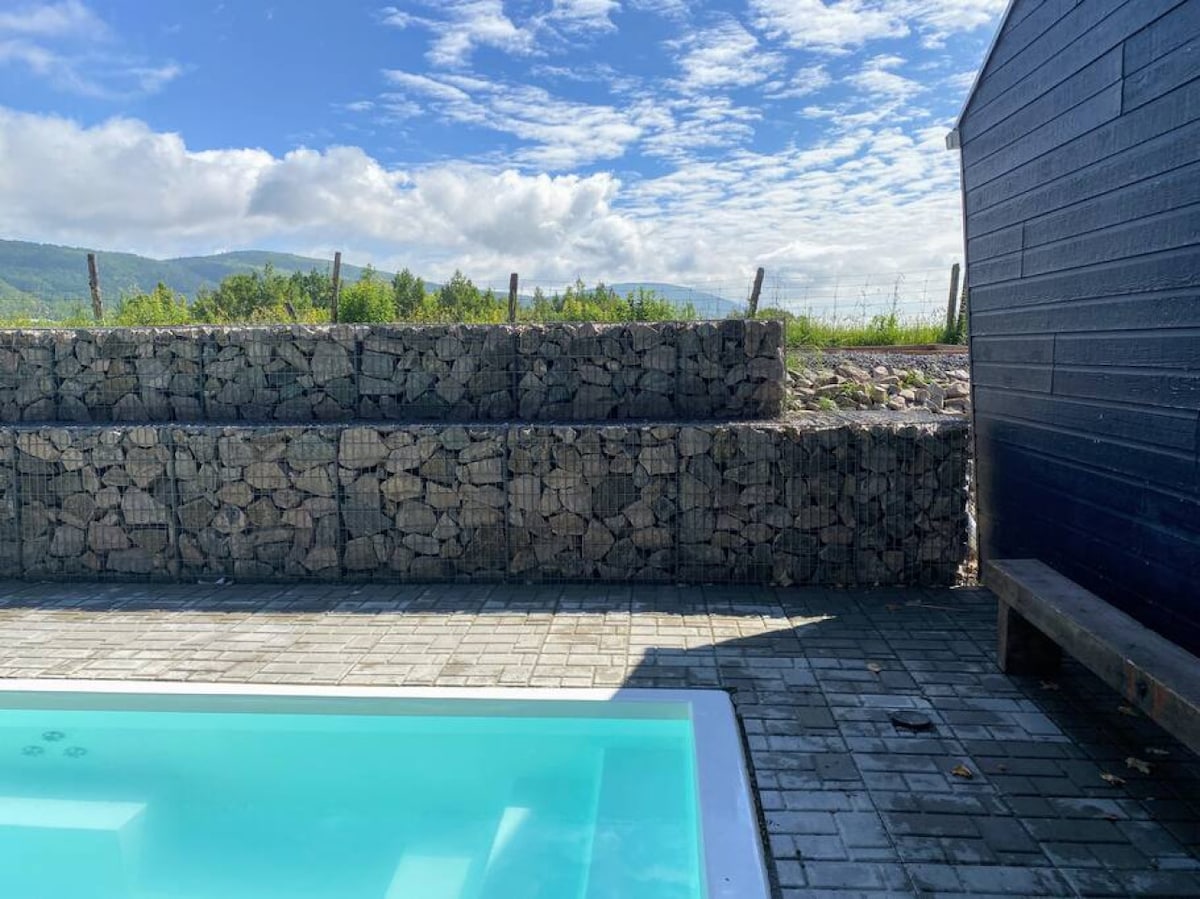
(271, 297)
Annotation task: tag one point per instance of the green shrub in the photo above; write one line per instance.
(159, 308)
(369, 299)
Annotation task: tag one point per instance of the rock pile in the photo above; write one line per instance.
(850, 381)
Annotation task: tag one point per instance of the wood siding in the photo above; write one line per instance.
(1081, 181)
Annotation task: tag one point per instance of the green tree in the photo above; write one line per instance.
(409, 295)
(369, 299)
(162, 306)
(459, 300)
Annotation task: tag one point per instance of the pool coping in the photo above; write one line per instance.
(731, 843)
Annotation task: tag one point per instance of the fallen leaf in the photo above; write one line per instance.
(1127, 710)
(1112, 779)
(1137, 765)
(1002, 768)
(1111, 817)
(1154, 750)
(962, 771)
(1049, 685)
(874, 667)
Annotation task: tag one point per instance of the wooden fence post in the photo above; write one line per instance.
(963, 310)
(337, 286)
(94, 286)
(513, 283)
(756, 292)
(951, 306)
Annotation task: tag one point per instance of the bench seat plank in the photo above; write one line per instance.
(1151, 672)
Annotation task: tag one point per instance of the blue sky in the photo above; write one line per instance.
(686, 140)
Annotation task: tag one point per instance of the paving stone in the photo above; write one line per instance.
(852, 807)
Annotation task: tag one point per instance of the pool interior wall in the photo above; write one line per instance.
(241, 794)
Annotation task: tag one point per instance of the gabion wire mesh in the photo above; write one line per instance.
(337, 454)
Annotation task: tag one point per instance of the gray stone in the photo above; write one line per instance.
(361, 448)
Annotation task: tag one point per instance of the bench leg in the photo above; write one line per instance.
(1023, 649)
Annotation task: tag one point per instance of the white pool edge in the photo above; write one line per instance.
(732, 847)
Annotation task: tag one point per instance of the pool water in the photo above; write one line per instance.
(226, 805)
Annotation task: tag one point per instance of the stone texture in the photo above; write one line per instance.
(828, 499)
(438, 372)
(430, 507)
(650, 370)
(94, 501)
(294, 373)
(593, 502)
(257, 503)
(465, 373)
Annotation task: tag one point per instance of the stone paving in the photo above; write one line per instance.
(850, 804)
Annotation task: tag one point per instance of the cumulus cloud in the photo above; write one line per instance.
(875, 193)
(146, 191)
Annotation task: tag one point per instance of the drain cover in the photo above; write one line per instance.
(911, 721)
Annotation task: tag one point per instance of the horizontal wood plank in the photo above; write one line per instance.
(1134, 312)
(1178, 109)
(1139, 165)
(1172, 190)
(1177, 68)
(1172, 429)
(1151, 672)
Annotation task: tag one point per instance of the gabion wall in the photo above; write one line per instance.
(830, 499)
(465, 373)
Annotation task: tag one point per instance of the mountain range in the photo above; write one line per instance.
(49, 281)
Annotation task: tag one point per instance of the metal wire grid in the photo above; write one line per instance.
(462, 373)
(837, 500)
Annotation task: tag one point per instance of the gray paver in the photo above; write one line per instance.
(852, 805)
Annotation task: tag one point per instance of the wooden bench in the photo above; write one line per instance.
(1043, 614)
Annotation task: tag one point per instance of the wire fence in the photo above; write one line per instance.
(847, 299)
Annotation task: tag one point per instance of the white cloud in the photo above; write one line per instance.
(70, 17)
(459, 27)
(585, 14)
(830, 26)
(724, 56)
(561, 133)
(835, 26)
(69, 46)
(873, 193)
(805, 81)
(145, 191)
(875, 78)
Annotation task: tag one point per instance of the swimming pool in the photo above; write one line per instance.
(179, 791)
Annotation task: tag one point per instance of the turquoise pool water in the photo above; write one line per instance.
(220, 805)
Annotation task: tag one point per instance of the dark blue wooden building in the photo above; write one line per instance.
(1080, 151)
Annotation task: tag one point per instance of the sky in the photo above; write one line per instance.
(679, 140)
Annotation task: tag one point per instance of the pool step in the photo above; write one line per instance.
(37, 834)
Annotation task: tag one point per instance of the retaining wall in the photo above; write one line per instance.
(831, 499)
(729, 369)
